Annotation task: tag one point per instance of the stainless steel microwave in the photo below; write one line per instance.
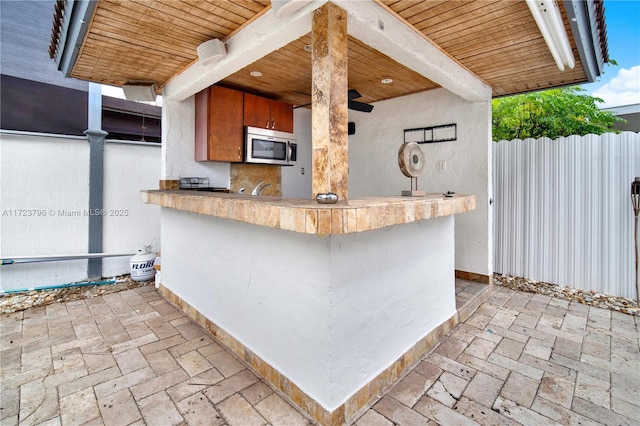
(266, 146)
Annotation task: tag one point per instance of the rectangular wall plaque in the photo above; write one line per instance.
(443, 133)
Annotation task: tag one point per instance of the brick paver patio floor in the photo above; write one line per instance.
(132, 358)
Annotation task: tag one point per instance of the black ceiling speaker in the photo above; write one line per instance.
(355, 105)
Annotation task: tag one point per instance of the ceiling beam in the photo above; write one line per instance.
(259, 38)
(385, 31)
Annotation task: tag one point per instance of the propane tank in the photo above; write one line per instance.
(142, 264)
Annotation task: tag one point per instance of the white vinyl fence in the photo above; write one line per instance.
(44, 197)
(563, 213)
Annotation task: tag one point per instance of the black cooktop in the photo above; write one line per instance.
(208, 189)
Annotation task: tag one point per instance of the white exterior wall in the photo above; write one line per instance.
(373, 162)
(178, 146)
(129, 223)
(389, 288)
(330, 313)
(51, 174)
(294, 183)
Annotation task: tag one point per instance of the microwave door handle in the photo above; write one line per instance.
(288, 152)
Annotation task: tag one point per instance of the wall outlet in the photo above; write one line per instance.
(442, 166)
(302, 170)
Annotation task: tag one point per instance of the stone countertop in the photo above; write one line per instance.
(309, 217)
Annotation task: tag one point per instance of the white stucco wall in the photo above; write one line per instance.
(330, 313)
(178, 146)
(294, 183)
(128, 222)
(373, 164)
(41, 178)
(50, 174)
(390, 287)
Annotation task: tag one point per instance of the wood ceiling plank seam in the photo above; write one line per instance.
(150, 39)
(372, 90)
(134, 7)
(277, 63)
(436, 15)
(494, 74)
(521, 49)
(252, 7)
(446, 12)
(144, 47)
(399, 4)
(409, 11)
(494, 23)
(201, 8)
(294, 53)
(104, 46)
(187, 23)
(425, 8)
(149, 27)
(381, 63)
(470, 22)
(490, 47)
(498, 50)
(362, 64)
(248, 22)
(363, 69)
(239, 9)
(478, 40)
(491, 74)
(232, 7)
(195, 17)
(544, 72)
(508, 63)
(127, 73)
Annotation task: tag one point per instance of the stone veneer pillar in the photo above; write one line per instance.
(329, 64)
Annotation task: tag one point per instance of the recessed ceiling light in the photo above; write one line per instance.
(307, 48)
(386, 81)
(255, 74)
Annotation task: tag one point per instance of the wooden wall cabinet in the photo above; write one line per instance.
(267, 113)
(219, 120)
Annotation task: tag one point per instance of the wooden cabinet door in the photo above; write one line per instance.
(257, 111)
(281, 116)
(226, 136)
(202, 126)
(216, 110)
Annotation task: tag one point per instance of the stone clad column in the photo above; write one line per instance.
(329, 101)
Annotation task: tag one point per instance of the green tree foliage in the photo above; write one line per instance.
(552, 113)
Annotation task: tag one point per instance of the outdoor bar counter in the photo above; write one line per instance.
(310, 217)
(329, 303)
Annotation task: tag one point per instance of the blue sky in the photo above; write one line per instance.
(620, 85)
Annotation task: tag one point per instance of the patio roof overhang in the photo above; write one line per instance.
(496, 43)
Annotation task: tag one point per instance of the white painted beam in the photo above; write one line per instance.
(403, 44)
(261, 37)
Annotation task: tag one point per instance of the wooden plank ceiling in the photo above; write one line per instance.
(497, 40)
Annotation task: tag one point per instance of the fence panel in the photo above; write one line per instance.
(563, 213)
(44, 200)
